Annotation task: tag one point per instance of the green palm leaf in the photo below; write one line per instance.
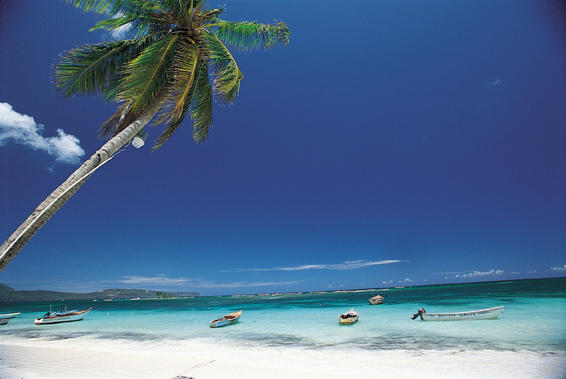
(89, 69)
(227, 74)
(246, 36)
(148, 73)
(113, 7)
(183, 70)
(180, 92)
(202, 104)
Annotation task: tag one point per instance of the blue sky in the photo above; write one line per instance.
(390, 143)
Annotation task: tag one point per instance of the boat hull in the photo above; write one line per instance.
(348, 321)
(482, 314)
(230, 319)
(220, 324)
(59, 318)
(9, 315)
(4, 318)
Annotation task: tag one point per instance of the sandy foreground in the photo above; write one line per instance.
(64, 359)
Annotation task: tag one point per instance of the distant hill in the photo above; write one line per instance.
(8, 294)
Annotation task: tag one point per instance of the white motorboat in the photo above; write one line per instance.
(61, 316)
(481, 314)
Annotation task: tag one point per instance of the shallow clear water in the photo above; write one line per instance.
(534, 319)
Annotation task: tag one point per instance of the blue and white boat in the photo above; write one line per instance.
(230, 319)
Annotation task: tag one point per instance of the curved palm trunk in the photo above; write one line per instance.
(12, 246)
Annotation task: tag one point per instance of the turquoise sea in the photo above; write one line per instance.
(533, 322)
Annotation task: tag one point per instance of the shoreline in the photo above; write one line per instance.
(134, 294)
(90, 358)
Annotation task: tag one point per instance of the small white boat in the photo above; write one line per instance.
(481, 314)
(61, 316)
(4, 318)
(230, 319)
(348, 318)
(377, 299)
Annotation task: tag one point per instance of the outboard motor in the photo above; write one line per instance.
(418, 314)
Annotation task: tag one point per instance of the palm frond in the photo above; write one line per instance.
(246, 36)
(168, 131)
(118, 121)
(199, 102)
(208, 16)
(181, 88)
(227, 75)
(102, 6)
(141, 23)
(114, 7)
(201, 113)
(148, 73)
(89, 69)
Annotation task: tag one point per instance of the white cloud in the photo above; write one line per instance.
(348, 265)
(157, 283)
(154, 280)
(123, 31)
(496, 82)
(558, 268)
(162, 280)
(22, 129)
(480, 273)
(407, 280)
(245, 284)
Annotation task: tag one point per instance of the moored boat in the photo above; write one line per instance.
(61, 316)
(230, 319)
(481, 314)
(377, 299)
(348, 318)
(4, 318)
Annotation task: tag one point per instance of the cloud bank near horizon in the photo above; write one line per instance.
(162, 280)
(158, 282)
(348, 265)
(23, 130)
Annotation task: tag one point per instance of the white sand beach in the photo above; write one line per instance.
(89, 358)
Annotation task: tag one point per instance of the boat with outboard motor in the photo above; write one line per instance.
(481, 314)
(61, 316)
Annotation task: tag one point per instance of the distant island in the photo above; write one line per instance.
(8, 294)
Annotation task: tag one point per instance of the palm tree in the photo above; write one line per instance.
(177, 63)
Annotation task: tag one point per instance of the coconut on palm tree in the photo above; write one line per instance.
(176, 63)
